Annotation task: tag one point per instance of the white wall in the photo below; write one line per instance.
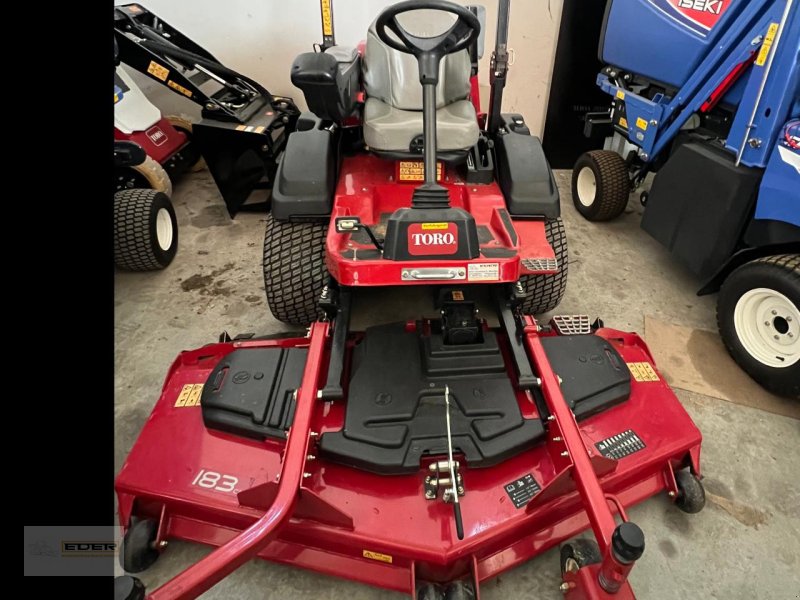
(260, 39)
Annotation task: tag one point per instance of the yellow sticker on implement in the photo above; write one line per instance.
(623, 122)
(641, 124)
(767, 45)
(643, 371)
(189, 396)
(377, 556)
(327, 17)
(158, 71)
(180, 88)
(414, 170)
(620, 94)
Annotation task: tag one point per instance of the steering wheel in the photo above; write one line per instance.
(430, 50)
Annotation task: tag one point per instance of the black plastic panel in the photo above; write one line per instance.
(250, 392)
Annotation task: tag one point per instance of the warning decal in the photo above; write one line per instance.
(769, 39)
(189, 396)
(158, 71)
(414, 170)
(387, 558)
(643, 371)
(483, 272)
(621, 445)
(522, 490)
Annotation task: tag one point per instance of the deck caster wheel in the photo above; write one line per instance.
(691, 496)
(600, 185)
(460, 590)
(128, 588)
(138, 546)
(579, 553)
(429, 591)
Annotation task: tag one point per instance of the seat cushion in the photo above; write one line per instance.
(390, 129)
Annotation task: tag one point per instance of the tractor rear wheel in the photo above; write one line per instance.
(600, 185)
(544, 292)
(294, 269)
(145, 230)
(758, 315)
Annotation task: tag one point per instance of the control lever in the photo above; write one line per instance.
(454, 491)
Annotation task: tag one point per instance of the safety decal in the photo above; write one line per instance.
(241, 127)
(698, 15)
(643, 371)
(621, 445)
(327, 19)
(623, 122)
(769, 39)
(641, 124)
(180, 88)
(260, 129)
(158, 71)
(483, 272)
(387, 558)
(189, 396)
(414, 170)
(457, 295)
(522, 490)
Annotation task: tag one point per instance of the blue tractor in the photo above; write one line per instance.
(705, 94)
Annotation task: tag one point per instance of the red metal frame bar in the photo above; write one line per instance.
(227, 558)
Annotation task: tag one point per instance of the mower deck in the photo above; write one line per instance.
(208, 486)
(509, 246)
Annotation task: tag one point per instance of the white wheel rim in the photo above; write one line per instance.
(164, 229)
(768, 326)
(587, 186)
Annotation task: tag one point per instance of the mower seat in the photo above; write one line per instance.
(393, 110)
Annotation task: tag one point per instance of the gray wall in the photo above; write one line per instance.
(261, 38)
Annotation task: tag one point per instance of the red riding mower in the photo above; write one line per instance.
(426, 456)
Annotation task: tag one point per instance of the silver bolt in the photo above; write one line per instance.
(306, 475)
(777, 337)
(312, 434)
(766, 323)
(565, 453)
(789, 319)
(319, 394)
(460, 490)
(429, 495)
(791, 334)
(311, 457)
(551, 418)
(653, 122)
(774, 313)
(671, 494)
(163, 544)
(564, 587)
(264, 148)
(557, 438)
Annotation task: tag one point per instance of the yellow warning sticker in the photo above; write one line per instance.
(623, 122)
(377, 556)
(327, 17)
(241, 127)
(457, 295)
(769, 39)
(189, 396)
(414, 170)
(620, 94)
(641, 124)
(434, 226)
(180, 88)
(260, 129)
(643, 371)
(158, 71)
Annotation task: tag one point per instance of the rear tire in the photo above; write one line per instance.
(294, 269)
(145, 230)
(758, 315)
(544, 292)
(600, 185)
(155, 175)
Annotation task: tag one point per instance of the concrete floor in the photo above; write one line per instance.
(744, 545)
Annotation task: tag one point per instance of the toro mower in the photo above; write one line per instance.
(424, 456)
(709, 100)
(243, 128)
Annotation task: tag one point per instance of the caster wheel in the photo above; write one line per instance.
(138, 546)
(429, 591)
(691, 495)
(128, 588)
(643, 197)
(460, 590)
(579, 553)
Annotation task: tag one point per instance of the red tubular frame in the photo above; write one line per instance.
(227, 558)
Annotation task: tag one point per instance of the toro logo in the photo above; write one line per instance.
(698, 15)
(432, 239)
(156, 136)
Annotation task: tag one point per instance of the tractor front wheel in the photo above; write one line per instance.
(294, 269)
(600, 185)
(145, 230)
(758, 314)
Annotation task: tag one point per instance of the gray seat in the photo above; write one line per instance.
(393, 111)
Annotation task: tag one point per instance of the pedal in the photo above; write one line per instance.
(572, 324)
(537, 265)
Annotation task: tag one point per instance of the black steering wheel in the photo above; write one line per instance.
(428, 51)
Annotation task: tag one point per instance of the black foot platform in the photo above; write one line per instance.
(396, 407)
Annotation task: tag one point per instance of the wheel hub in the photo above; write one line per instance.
(587, 186)
(768, 326)
(164, 231)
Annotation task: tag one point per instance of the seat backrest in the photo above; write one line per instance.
(393, 76)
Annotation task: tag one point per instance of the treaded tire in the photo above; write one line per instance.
(611, 187)
(544, 292)
(139, 214)
(294, 269)
(780, 273)
(155, 175)
(582, 551)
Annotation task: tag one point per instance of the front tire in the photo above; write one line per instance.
(544, 292)
(600, 185)
(294, 269)
(145, 230)
(758, 315)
